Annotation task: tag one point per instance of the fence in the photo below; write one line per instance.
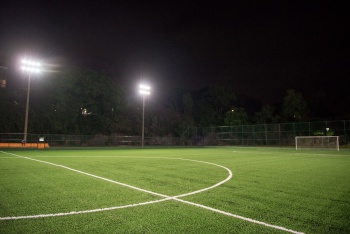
(275, 134)
(89, 140)
(282, 134)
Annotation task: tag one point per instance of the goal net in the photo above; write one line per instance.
(317, 142)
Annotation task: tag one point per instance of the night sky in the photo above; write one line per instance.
(259, 48)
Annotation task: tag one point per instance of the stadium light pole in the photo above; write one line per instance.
(31, 67)
(144, 90)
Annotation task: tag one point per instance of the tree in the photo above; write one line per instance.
(187, 121)
(205, 114)
(294, 107)
(12, 106)
(236, 116)
(187, 102)
(77, 102)
(213, 102)
(220, 97)
(266, 115)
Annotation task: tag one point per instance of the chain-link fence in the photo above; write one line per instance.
(89, 140)
(282, 134)
(275, 134)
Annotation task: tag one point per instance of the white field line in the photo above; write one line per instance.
(9, 157)
(165, 197)
(88, 174)
(240, 217)
(84, 211)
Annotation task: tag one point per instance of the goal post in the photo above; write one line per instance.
(317, 142)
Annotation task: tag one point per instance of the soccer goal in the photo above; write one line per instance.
(317, 142)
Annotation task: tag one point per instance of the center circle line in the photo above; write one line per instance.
(165, 197)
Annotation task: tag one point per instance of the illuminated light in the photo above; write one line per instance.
(31, 69)
(30, 66)
(142, 86)
(144, 89)
(145, 92)
(31, 63)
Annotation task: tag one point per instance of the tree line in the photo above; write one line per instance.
(85, 102)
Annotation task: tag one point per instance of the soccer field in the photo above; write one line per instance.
(175, 190)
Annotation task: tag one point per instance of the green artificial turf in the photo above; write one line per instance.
(305, 191)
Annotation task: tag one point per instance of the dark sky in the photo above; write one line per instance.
(259, 48)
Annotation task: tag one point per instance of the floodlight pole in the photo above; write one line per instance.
(27, 110)
(30, 67)
(143, 120)
(144, 90)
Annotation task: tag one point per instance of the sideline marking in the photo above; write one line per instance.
(165, 197)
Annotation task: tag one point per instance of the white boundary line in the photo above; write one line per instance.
(165, 197)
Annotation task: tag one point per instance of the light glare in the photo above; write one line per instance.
(144, 89)
(145, 92)
(30, 63)
(30, 69)
(30, 66)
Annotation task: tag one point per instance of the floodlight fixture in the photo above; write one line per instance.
(30, 66)
(144, 89)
